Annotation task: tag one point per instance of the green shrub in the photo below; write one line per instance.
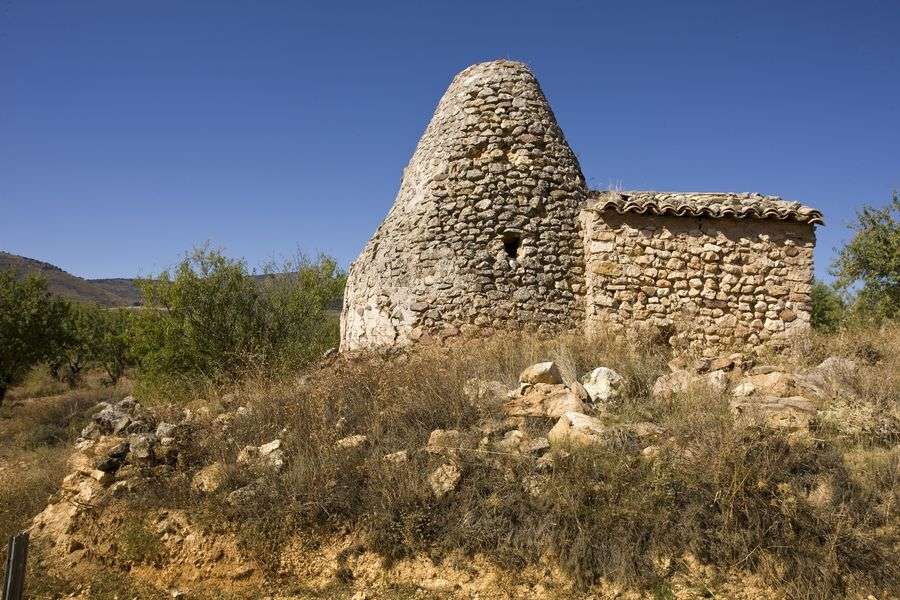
(211, 319)
(827, 307)
(29, 323)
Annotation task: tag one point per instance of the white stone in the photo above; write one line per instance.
(603, 384)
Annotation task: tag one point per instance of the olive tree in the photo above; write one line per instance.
(30, 321)
(870, 262)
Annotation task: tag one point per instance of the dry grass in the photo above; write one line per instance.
(736, 499)
(36, 434)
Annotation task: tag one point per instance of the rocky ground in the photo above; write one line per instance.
(97, 523)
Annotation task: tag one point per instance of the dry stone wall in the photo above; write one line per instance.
(483, 234)
(713, 283)
(494, 229)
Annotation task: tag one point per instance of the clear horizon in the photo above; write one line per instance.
(131, 133)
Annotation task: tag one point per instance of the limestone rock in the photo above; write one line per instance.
(832, 378)
(210, 478)
(684, 382)
(517, 441)
(444, 440)
(542, 372)
(165, 430)
(268, 456)
(792, 413)
(543, 400)
(103, 477)
(484, 392)
(744, 388)
(140, 446)
(242, 495)
(651, 452)
(775, 383)
(351, 441)
(444, 479)
(576, 429)
(401, 456)
(602, 384)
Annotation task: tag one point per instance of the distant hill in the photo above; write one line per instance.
(106, 292)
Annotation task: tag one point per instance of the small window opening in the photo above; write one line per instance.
(512, 240)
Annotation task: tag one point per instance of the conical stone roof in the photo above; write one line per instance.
(483, 234)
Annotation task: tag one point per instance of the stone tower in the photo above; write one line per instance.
(483, 234)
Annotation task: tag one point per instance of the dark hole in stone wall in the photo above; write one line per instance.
(512, 240)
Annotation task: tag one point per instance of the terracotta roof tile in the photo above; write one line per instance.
(706, 204)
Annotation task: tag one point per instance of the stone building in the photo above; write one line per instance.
(495, 229)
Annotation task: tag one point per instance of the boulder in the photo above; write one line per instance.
(792, 413)
(602, 384)
(830, 379)
(543, 400)
(444, 479)
(542, 372)
(576, 429)
(683, 382)
(773, 383)
(443, 440)
(210, 478)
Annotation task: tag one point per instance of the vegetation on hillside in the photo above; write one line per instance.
(105, 292)
(814, 516)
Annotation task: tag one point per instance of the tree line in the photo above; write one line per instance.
(208, 319)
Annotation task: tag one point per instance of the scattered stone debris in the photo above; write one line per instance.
(269, 456)
(445, 479)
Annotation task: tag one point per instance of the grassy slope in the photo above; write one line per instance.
(106, 292)
(730, 498)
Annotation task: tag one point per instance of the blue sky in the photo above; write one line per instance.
(132, 131)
